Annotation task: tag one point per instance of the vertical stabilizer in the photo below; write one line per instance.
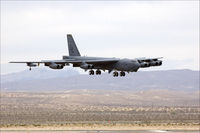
(73, 50)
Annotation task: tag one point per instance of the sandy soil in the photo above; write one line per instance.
(101, 127)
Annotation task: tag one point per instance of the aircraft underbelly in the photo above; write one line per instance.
(127, 66)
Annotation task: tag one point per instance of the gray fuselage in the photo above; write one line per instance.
(128, 65)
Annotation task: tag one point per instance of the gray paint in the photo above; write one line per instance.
(99, 63)
(73, 50)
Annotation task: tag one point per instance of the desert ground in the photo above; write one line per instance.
(100, 131)
(100, 110)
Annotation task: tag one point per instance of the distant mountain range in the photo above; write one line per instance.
(38, 74)
(62, 80)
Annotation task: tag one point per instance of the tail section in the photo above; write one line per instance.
(73, 50)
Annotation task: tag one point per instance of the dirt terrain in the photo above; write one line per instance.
(100, 109)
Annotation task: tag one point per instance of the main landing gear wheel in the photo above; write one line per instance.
(122, 74)
(30, 69)
(98, 72)
(91, 72)
(115, 74)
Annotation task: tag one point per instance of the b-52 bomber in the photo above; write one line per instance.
(95, 64)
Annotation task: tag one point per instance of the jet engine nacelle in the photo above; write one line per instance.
(31, 64)
(155, 63)
(86, 66)
(144, 64)
(56, 66)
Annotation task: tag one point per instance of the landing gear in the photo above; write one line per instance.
(122, 74)
(30, 68)
(91, 72)
(98, 72)
(115, 74)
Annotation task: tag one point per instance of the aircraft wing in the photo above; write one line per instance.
(66, 61)
(26, 62)
(39, 62)
(148, 59)
(93, 61)
(43, 61)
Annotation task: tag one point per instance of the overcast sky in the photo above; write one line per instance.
(32, 31)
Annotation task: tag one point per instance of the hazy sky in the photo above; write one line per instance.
(33, 31)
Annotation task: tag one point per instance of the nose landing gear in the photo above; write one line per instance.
(122, 74)
(98, 72)
(116, 74)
